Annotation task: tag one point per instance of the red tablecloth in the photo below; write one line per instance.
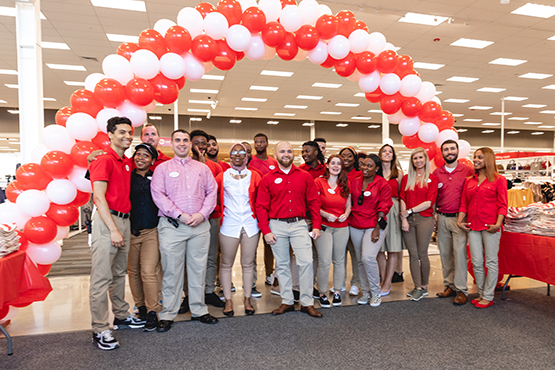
(21, 283)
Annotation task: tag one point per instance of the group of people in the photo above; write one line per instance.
(176, 224)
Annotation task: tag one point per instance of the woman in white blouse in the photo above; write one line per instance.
(237, 193)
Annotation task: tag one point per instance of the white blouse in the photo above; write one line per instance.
(237, 209)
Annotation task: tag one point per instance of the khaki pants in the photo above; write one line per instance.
(367, 251)
(355, 279)
(296, 234)
(268, 258)
(143, 268)
(331, 245)
(212, 262)
(451, 241)
(109, 265)
(484, 245)
(177, 245)
(417, 240)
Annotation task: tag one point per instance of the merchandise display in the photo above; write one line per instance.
(537, 218)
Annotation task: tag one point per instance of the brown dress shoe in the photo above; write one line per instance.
(311, 311)
(448, 292)
(460, 299)
(283, 308)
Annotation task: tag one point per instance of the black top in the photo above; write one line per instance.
(144, 213)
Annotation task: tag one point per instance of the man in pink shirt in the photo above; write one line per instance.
(184, 191)
(451, 239)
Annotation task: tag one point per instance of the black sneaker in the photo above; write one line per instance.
(142, 313)
(184, 308)
(164, 326)
(397, 278)
(315, 293)
(151, 321)
(324, 302)
(105, 340)
(131, 322)
(336, 299)
(255, 293)
(213, 300)
(296, 296)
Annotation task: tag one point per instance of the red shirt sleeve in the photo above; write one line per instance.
(464, 198)
(263, 205)
(402, 192)
(100, 169)
(385, 203)
(502, 201)
(431, 193)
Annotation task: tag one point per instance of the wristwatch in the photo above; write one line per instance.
(409, 211)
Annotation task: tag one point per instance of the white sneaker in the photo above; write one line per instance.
(354, 290)
(275, 290)
(376, 300)
(105, 340)
(269, 279)
(364, 299)
(343, 289)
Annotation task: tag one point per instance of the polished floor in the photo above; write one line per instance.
(67, 306)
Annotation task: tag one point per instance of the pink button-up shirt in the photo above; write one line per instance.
(183, 186)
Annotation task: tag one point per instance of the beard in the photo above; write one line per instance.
(260, 151)
(449, 161)
(285, 162)
(210, 155)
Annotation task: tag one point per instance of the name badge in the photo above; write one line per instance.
(174, 174)
(278, 180)
(440, 185)
(272, 168)
(428, 181)
(367, 193)
(127, 167)
(331, 191)
(149, 178)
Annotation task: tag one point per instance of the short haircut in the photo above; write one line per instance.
(182, 131)
(361, 155)
(450, 142)
(114, 121)
(320, 140)
(260, 134)
(212, 137)
(319, 154)
(195, 133)
(149, 125)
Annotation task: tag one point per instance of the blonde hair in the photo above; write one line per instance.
(412, 177)
(489, 163)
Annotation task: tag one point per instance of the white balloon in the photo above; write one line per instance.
(387, 141)
(92, 80)
(269, 53)
(57, 137)
(135, 113)
(172, 66)
(104, 115)
(376, 42)
(324, 9)
(62, 232)
(117, 67)
(359, 40)
(38, 153)
(10, 213)
(410, 85)
(319, 54)
(409, 126)
(194, 69)
(245, 4)
(310, 11)
(446, 134)
(291, 18)
(428, 133)
(427, 92)
(33, 203)
(301, 55)
(464, 148)
(44, 254)
(369, 83)
(271, 9)
(256, 49)
(77, 177)
(163, 25)
(149, 108)
(61, 191)
(390, 83)
(238, 37)
(339, 47)
(389, 46)
(355, 77)
(396, 118)
(145, 64)
(436, 99)
(215, 25)
(190, 19)
(82, 126)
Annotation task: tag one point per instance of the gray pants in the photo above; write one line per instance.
(417, 240)
(212, 261)
(367, 251)
(484, 245)
(451, 241)
(331, 246)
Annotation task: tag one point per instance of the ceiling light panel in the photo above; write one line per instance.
(548, 111)
(12, 72)
(537, 133)
(134, 5)
(66, 67)
(462, 79)
(546, 126)
(285, 114)
(246, 108)
(212, 77)
(74, 83)
(309, 97)
(425, 19)
(479, 107)
(508, 62)
(331, 113)
(534, 106)
(471, 43)
(257, 100)
(491, 89)
(273, 122)
(54, 45)
(549, 87)
(473, 120)
(462, 130)
(342, 125)
(276, 73)
(295, 106)
(208, 102)
(349, 105)
(362, 118)
(456, 100)
(204, 91)
(518, 118)
(488, 131)
(431, 66)
(535, 76)
(500, 114)
(122, 38)
(515, 98)
(263, 88)
(513, 132)
(532, 123)
(198, 110)
(360, 95)
(326, 85)
(374, 126)
(535, 10)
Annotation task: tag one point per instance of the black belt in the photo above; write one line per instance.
(448, 214)
(290, 220)
(119, 214)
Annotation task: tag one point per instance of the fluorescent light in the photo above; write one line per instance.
(535, 76)
(532, 123)
(11, 12)
(48, 99)
(308, 124)
(534, 106)
(66, 67)
(342, 125)
(295, 106)
(195, 119)
(309, 97)
(457, 114)
(74, 83)
(8, 72)
(491, 89)
(513, 132)
(155, 118)
(208, 102)
(508, 62)
(326, 85)
(235, 121)
(212, 77)
(204, 91)
(285, 114)
(456, 100)
(426, 19)
(264, 88)
(12, 86)
(471, 43)
(487, 131)
(491, 124)
(360, 95)
(258, 100)
(432, 66)
(350, 105)
(331, 113)
(135, 5)
(159, 104)
(374, 126)
(549, 87)
(198, 110)
(462, 79)
(515, 98)
(54, 45)
(122, 38)
(246, 108)
(548, 111)
(473, 120)
(375, 111)
(276, 73)
(462, 130)
(479, 107)
(518, 118)
(13, 111)
(537, 133)
(546, 126)
(535, 10)
(272, 122)
(439, 92)
(362, 118)
(3, 102)
(500, 114)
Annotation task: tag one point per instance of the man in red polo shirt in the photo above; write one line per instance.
(149, 135)
(451, 240)
(284, 196)
(212, 152)
(261, 161)
(313, 159)
(110, 175)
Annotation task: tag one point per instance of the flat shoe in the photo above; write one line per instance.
(479, 305)
(383, 294)
(475, 300)
(205, 319)
(228, 313)
(249, 312)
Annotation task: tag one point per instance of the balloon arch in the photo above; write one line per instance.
(44, 199)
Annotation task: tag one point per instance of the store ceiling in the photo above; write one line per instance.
(83, 28)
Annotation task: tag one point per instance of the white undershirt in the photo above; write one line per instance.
(237, 209)
(448, 169)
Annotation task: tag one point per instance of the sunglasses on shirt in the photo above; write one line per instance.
(360, 199)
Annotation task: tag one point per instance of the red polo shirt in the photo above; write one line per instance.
(224, 165)
(331, 201)
(320, 170)
(353, 175)
(394, 185)
(450, 187)
(482, 203)
(289, 195)
(116, 171)
(412, 198)
(255, 170)
(376, 198)
(266, 166)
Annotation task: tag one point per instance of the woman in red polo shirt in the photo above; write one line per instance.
(237, 194)
(335, 199)
(484, 204)
(418, 195)
(371, 202)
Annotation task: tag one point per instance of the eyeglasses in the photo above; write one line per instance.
(360, 199)
(241, 153)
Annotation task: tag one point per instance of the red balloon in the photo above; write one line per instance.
(24, 243)
(430, 111)
(411, 106)
(390, 104)
(404, 67)
(32, 176)
(346, 66)
(165, 90)
(375, 96)
(139, 91)
(284, 3)
(288, 49)
(254, 19)
(467, 162)
(180, 82)
(178, 39)
(127, 49)
(346, 24)
(63, 215)
(360, 25)
(431, 150)
(110, 93)
(273, 34)
(57, 164)
(101, 140)
(307, 37)
(152, 40)
(225, 58)
(81, 199)
(44, 269)
(327, 26)
(240, 55)
(205, 8)
(40, 230)
(81, 151)
(204, 48)
(438, 159)
(231, 9)
(84, 101)
(329, 62)
(387, 61)
(62, 115)
(412, 142)
(13, 190)
(445, 120)
(366, 62)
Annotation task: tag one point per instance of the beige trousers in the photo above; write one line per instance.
(451, 241)
(485, 246)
